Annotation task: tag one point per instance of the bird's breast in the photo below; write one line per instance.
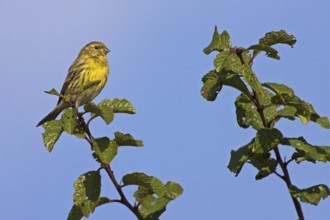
(99, 71)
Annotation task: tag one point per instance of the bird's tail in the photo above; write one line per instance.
(52, 115)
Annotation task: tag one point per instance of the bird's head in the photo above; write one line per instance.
(94, 49)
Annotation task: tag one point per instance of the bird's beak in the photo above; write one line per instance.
(106, 50)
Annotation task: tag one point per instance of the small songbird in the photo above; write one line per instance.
(90, 68)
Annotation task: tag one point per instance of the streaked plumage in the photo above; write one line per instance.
(90, 66)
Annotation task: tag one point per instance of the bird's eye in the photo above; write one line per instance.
(96, 47)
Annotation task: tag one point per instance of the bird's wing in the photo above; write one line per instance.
(74, 72)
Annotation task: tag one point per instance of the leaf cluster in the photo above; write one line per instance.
(261, 106)
(151, 196)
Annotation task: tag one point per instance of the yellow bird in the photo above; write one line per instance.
(90, 70)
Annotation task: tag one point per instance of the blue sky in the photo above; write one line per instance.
(157, 63)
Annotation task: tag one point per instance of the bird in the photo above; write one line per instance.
(86, 78)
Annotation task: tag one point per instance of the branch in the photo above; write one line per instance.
(279, 175)
(252, 58)
(260, 109)
(89, 121)
(123, 199)
(239, 52)
(82, 123)
(287, 180)
(289, 161)
(286, 176)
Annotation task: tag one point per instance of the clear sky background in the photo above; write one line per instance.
(157, 63)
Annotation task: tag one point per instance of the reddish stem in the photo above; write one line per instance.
(123, 200)
(286, 176)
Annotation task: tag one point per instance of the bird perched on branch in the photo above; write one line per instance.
(85, 80)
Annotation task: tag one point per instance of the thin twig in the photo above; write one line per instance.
(239, 54)
(289, 161)
(279, 175)
(287, 180)
(123, 199)
(260, 110)
(91, 119)
(88, 140)
(85, 126)
(252, 58)
(286, 176)
(138, 205)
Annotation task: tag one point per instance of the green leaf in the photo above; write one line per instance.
(69, 120)
(210, 76)
(105, 149)
(247, 114)
(240, 157)
(53, 131)
(105, 112)
(87, 207)
(287, 112)
(220, 60)
(79, 132)
(87, 192)
(102, 201)
(53, 92)
(75, 213)
(155, 215)
(311, 195)
(87, 186)
(251, 79)
(269, 108)
(251, 153)
(279, 89)
(278, 37)
(271, 38)
(228, 61)
(141, 193)
(323, 121)
(91, 107)
(219, 42)
(157, 186)
(149, 185)
(137, 178)
(270, 52)
(172, 190)
(127, 140)
(305, 111)
(151, 206)
(306, 151)
(264, 164)
(118, 105)
(213, 82)
(266, 140)
(236, 82)
(212, 86)
(231, 62)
